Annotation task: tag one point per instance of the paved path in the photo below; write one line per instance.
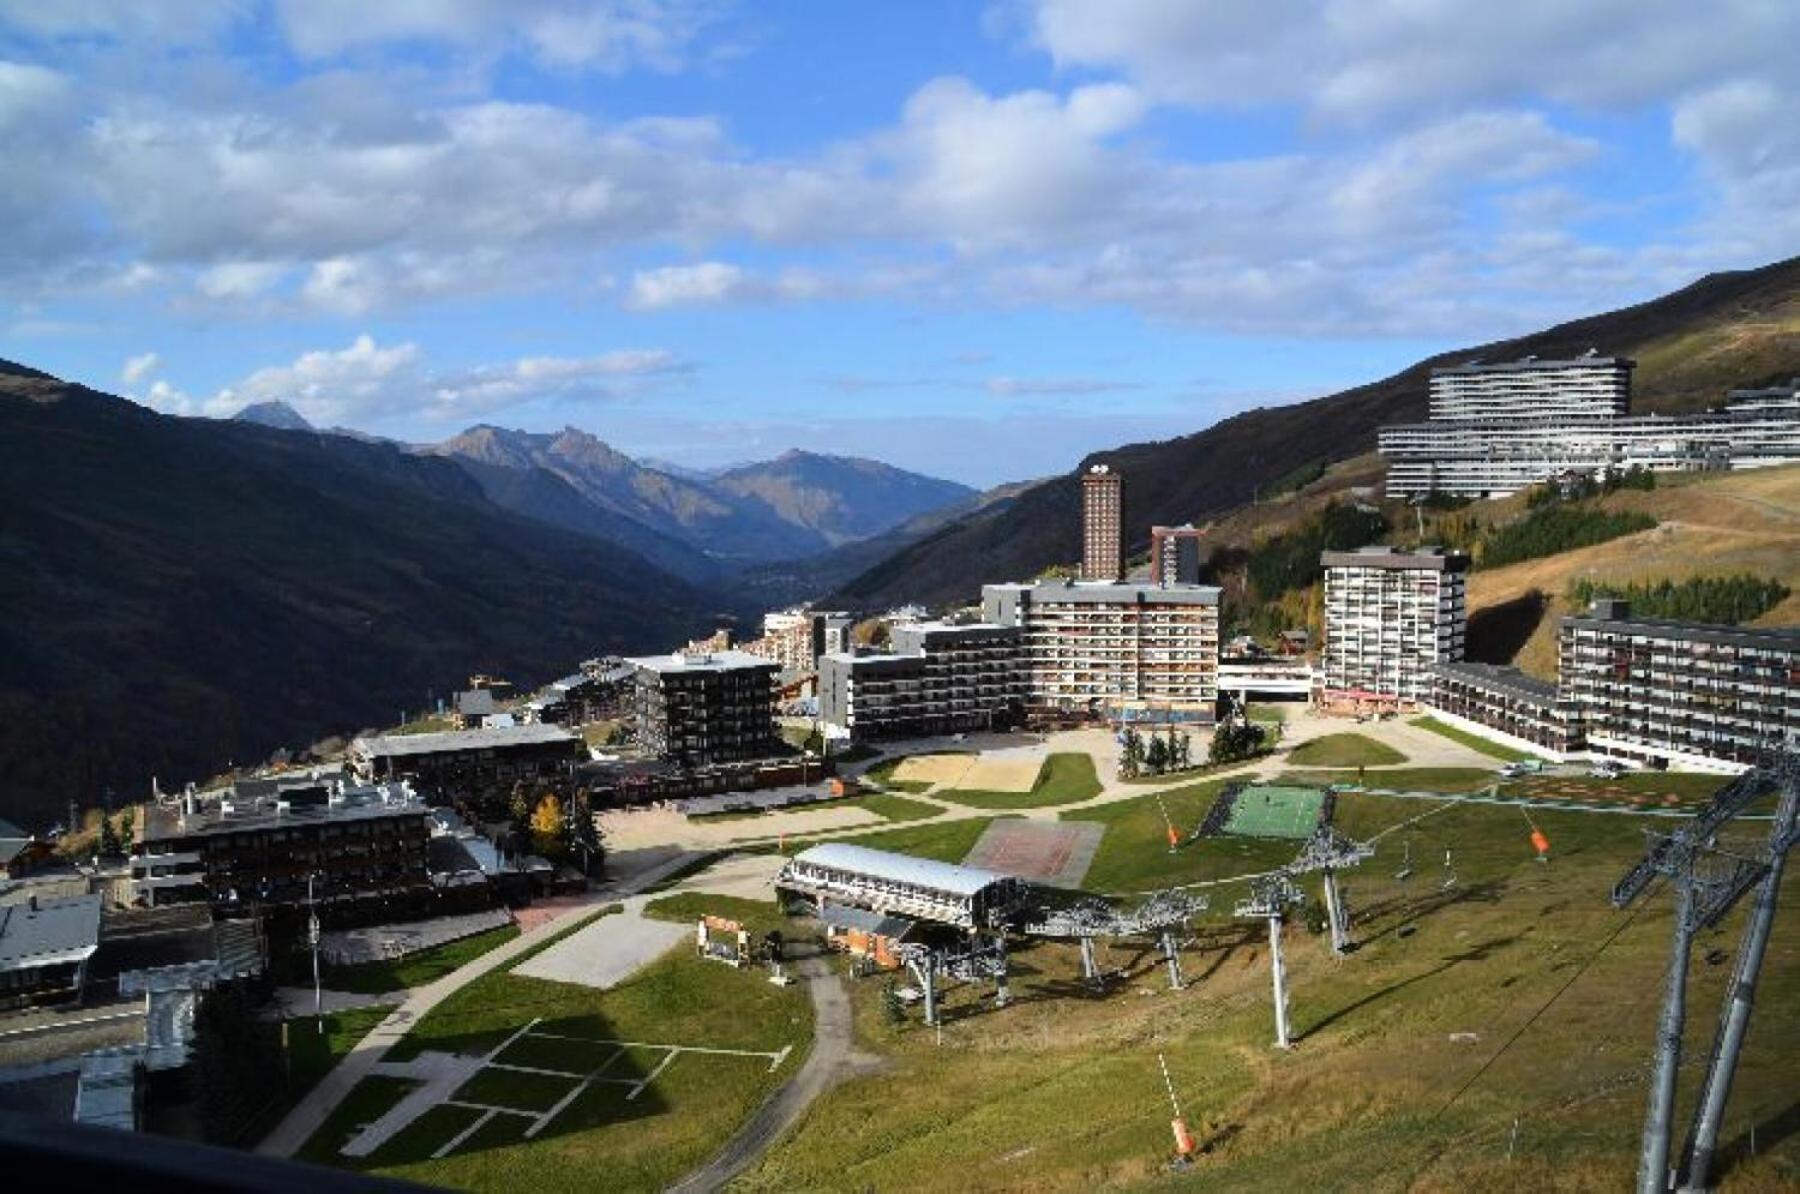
(608, 951)
(298, 1001)
(310, 1114)
(834, 1058)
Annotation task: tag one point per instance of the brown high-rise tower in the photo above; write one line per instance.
(1102, 507)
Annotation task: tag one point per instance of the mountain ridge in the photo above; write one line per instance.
(1726, 329)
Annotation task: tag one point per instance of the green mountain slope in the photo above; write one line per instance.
(1726, 330)
(181, 593)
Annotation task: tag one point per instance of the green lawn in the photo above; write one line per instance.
(1064, 779)
(1517, 996)
(1424, 779)
(758, 916)
(1650, 787)
(1345, 750)
(602, 1139)
(895, 808)
(1134, 855)
(946, 841)
(415, 970)
(1488, 747)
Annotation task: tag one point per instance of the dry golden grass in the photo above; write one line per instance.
(1711, 525)
(934, 769)
(1002, 774)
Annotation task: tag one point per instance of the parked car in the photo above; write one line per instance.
(1606, 770)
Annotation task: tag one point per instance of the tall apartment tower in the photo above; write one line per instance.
(1102, 509)
(1390, 615)
(1175, 555)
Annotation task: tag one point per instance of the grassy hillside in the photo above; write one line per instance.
(1725, 330)
(1709, 525)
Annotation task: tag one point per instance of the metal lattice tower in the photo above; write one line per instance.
(1160, 916)
(1708, 882)
(1328, 851)
(1270, 897)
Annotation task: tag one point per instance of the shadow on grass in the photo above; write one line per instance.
(572, 1066)
(1402, 910)
(1477, 953)
(1498, 633)
(1764, 1135)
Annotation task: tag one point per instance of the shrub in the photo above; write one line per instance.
(1555, 528)
(1723, 600)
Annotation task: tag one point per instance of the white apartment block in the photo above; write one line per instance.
(1484, 445)
(1390, 615)
(1094, 648)
(1589, 387)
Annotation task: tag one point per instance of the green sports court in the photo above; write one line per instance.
(1273, 811)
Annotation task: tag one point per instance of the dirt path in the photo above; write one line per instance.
(833, 1059)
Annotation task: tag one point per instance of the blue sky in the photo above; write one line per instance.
(980, 240)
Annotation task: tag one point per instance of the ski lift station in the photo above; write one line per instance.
(897, 884)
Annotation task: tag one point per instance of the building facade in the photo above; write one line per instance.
(490, 754)
(1102, 516)
(1175, 555)
(1505, 703)
(1100, 649)
(697, 709)
(1678, 694)
(356, 845)
(1390, 616)
(935, 678)
(1497, 429)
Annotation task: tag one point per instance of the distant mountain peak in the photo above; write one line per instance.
(276, 414)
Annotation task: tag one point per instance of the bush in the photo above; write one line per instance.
(1555, 528)
(1722, 600)
(1235, 741)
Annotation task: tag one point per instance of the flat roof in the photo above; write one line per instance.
(1774, 638)
(448, 741)
(679, 663)
(55, 932)
(1383, 556)
(166, 823)
(1494, 675)
(1105, 592)
(844, 917)
(946, 877)
(1480, 366)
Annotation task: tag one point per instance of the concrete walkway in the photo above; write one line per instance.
(608, 951)
(311, 1113)
(834, 1059)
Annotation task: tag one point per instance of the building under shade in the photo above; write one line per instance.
(44, 949)
(901, 885)
(698, 708)
(484, 755)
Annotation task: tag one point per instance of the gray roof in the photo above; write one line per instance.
(477, 702)
(165, 823)
(711, 661)
(1383, 556)
(65, 930)
(1769, 638)
(1588, 359)
(901, 868)
(1103, 592)
(484, 738)
(1500, 678)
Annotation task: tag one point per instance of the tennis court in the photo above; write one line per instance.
(1270, 810)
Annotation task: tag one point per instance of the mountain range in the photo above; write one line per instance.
(1740, 328)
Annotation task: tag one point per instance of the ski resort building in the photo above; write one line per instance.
(1496, 429)
(900, 885)
(935, 678)
(1390, 616)
(1099, 649)
(700, 708)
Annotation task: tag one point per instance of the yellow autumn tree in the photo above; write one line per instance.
(547, 827)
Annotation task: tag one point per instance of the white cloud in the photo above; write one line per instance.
(607, 35)
(139, 367)
(368, 382)
(175, 22)
(1055, 387)
(686, 285)
(238, 280)
(1356, 59)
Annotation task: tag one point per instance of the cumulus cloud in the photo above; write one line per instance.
(139, 367)
(368, 382)
(171, 22)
